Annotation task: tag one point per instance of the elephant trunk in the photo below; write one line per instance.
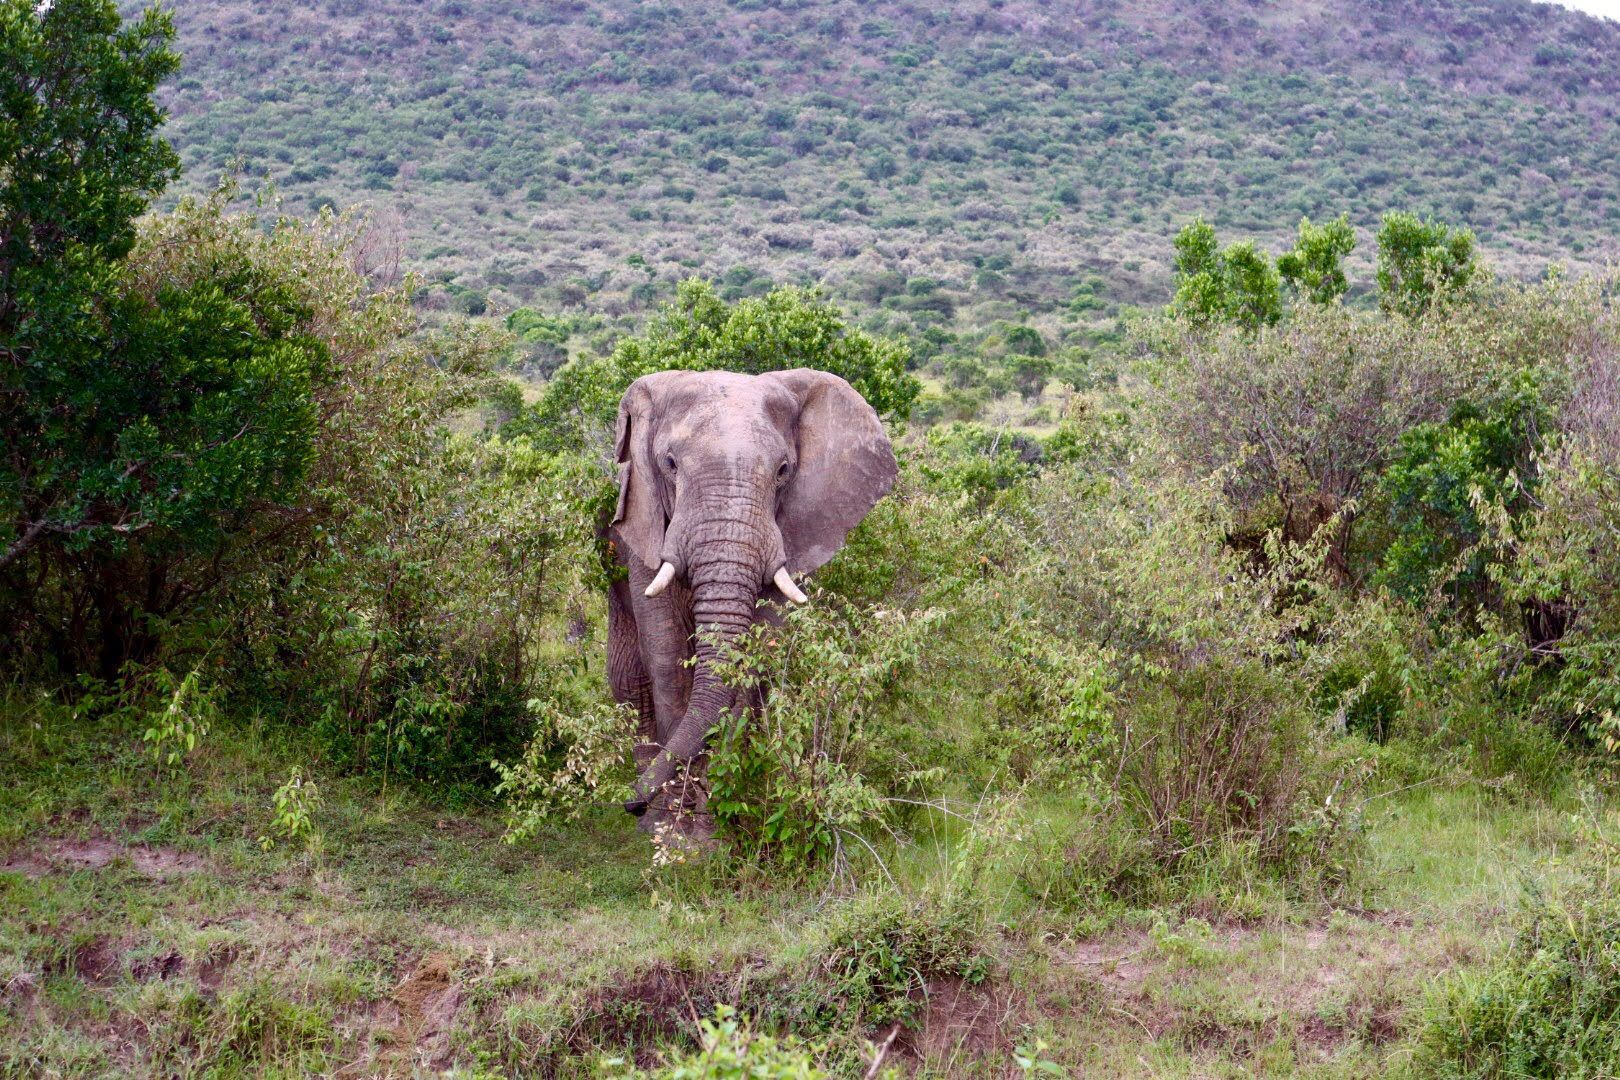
(724, 559)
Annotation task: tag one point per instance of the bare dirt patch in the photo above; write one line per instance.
(960, 1021)
(660, 1005)
(68, 856)
(211, 971)
(428, 1000)
(1330, 983)
(162, 967)
(1115, 962)
(655, 1005)
(21, 990)
(98, 961)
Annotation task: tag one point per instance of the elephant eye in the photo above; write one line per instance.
(782, 471)
(669, 462)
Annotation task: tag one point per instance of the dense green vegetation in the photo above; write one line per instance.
(941, 171)
(1254, 710)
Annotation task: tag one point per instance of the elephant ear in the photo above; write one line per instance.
(845, 465)
(642, 513)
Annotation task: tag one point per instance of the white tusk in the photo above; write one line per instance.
(666, 574)
(790, 590)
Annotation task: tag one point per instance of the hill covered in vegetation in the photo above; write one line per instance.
(934, 167)
(1259, 717)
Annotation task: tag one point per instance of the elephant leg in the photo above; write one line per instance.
(627, 674)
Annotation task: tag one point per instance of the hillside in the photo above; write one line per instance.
(951, 166)
(570, 666)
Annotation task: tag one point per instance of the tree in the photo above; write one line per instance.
(699, 331)
(1299, 423)
(1025, 341)
(1030, 374)
(137, 457)
(79, 160)
(1484, 453)
(1422, 262)
(1314, 270)
(79, 154)
(1253, 289)
(154, 402)
(1239, 285)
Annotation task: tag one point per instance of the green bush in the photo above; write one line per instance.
(1447, 478)
(879, 952)
(800, 781)
(389, 588)
(1238, 285)
(729, 1049)
(1548, 1005)
(1212, 743)
(699, 331)
(1565, 574)
(1314, 269)
(425, 616)
(1423, 262)
(977, 461)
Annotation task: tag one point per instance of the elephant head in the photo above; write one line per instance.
(734, 483)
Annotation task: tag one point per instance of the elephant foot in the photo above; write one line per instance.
(643, 754)
(677, 815)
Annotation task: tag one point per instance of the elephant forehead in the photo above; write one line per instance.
(732, 410)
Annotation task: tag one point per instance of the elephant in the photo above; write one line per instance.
(730, 485)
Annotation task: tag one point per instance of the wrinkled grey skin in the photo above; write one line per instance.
(728, 478)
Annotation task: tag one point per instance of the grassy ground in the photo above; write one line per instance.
(145, 930)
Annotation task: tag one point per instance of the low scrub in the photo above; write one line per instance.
(730, 1050)
(880, 952)
(1549, 1005)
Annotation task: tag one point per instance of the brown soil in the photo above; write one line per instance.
(1115, 962)
(428, 1000)
(211, 971)
(1356, 969)
(97, 962)
(960, 1021)
(21, 990)
(658, 1004)
(166, 966)
(67, 856)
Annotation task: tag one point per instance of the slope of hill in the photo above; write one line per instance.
(946, 166)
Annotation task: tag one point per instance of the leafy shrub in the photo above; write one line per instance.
(1299, 423)
(179, 426)
(729, 1049)
(293, 806)
(1314, 269)
(1053, 701)
(879, 951)
(1565, 571)
(1481, 453)
(1238, 285)
(574, 758)
(977, 461)
(393, 599)
(187, 711)
(1369, 697)
(434, 588)
(1212, 744)
(700, 331)
(1548, 1006)
(799, 781)
(926, 546)
(1424, 262)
